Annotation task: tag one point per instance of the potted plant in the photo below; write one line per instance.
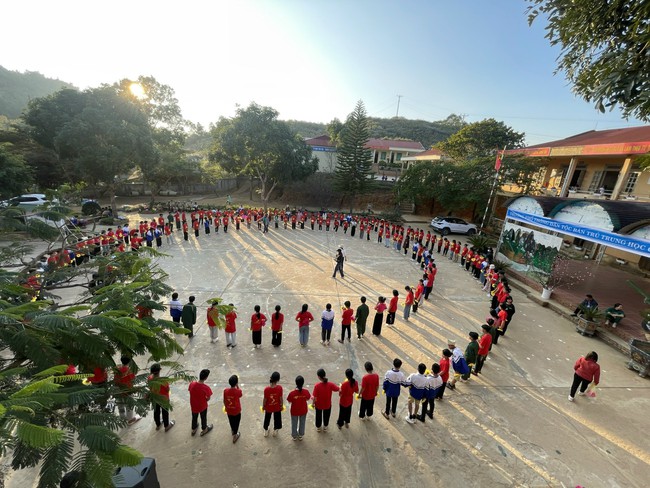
(561, 274)
(588, 320)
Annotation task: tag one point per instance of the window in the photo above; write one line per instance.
(631, 182)
(383, 155)
(399, 156)
(595, 181)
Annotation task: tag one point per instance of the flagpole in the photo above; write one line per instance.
(494, 184)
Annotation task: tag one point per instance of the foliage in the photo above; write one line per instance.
(305, 129)
(15, 175)
(352, 175)
(256, 143)
(522, 248)
(334, 131)
(604, 50)
(480, 242)
(481, 139)
(16, 89)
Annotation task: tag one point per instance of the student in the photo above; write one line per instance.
(175, 308)
(232, 406)
(272, 405)
(298, 399)
(327, 322)
(434, 383)
(613, 315)
(346, 397)
(393, 381)
(346, 322)
(361, 318)
(188, 316)
(417, 297)
(379, 316)
(586, 370)
(339, 258)
(368, 392)
(231, 327)
(417, 384)
(258, 320)
(123, 379)
(484, 344)
(471, 353)
(304, 318)
(445, 365)
(277, 320)
(322, 400)
(392, 308)
(200, 394)
(160, 398)
(213, 316)
(458, 363)
(408, 302)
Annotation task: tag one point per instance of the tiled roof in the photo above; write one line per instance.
(323, 140)
(387, 144)
(610, 136)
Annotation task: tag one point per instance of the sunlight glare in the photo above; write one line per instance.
(137, 90)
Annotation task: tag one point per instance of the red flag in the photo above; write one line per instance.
(497, 164)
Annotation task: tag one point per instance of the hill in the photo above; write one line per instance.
(17, 89)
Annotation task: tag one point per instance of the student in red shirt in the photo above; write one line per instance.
(419, 290)
(272, 405)
(379, 316)
(213, 319)
(123, 379)
(258, 320)
(159, 393)
(231, 327)
(277, 320)
(368, 392)
(346, 397)
(392, 308)
(322, 400)
(200, 394)
(408, 303)
(298, 399)
(304, 318)
(232, 406)
(346, 321)
(484, 344)
(444, 372)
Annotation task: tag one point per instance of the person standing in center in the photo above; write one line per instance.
(188, 316)
(361, 318)
(160, 398)
(346, 322)
(408, 302)
(392, 308)
(327, 322)
(368, 393)
(379, 316)
(200, 394)
(232, 406)
(258, 320)
(346, 398)
(231, 327)
(298, 399)
(304, 318)
(272, 404)
(322, 400)
(339, 258)
(277, 320)
(213, 318)
(586, 370)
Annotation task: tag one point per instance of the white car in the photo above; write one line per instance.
(28, 202)
(452, 225)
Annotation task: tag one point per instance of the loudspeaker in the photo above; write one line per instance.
(142, 475)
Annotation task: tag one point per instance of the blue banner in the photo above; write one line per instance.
(610, 239)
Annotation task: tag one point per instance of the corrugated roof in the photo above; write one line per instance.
(323, 140)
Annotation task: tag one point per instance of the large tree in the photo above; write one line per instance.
(353, 174)
(257, 144)
(480, 139)
(605, 49)
(15, 175)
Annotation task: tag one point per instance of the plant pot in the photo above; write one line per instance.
(546, 293)
(586, 327)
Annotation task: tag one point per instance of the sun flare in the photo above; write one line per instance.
(137, 90)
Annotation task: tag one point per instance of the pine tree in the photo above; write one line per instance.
(353, 175)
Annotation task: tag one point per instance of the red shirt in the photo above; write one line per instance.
(212, 316)
(587, 369)
(346, 393)
(444, 368)
(162, 390)
(200, 393)
(323, 395)
(484, 344)
(258, 323)
(409, 298)
(304, 319)
(230, 322)
(276, 323)
(392, 306)
(346, 316)
(298, 400)
(231, 401)
(273, 397)
(369, 386)
(124, 377)
(380, 307)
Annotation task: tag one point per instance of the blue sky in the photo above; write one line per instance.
(313, 59)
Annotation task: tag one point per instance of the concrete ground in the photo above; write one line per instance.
(512, 426)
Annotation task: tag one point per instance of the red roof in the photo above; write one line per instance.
(386, 144)
(323, 140)
(610, 136)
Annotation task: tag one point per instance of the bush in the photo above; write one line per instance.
(106, 221)
(91, 208)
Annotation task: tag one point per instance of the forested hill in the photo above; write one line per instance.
(17, 89)
(428, 133)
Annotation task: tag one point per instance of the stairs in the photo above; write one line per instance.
(407, 207)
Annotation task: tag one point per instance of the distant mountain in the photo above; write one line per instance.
(17, 89)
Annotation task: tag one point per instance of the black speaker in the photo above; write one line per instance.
(141, 475)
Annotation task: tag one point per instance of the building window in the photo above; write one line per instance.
(399, 156)
(383, 156)
(631, 182)
(596, 181)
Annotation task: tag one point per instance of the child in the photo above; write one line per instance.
(277, 320)
(159, 390)
(298, 399)
(368, 392)
(213, 317)
(483, 348)
(231, 327)
(346, 321)
(272, 404)
(322, 400)
(471, 353)
(232, 406)
(392, 308)
(304, 317)
(458, 363)
(346, 397)
(444, 372)
(434, 382)
(417, 383)
(258, 320)
(327, 322)
(408, 303)
(200, 394)
(393, 380)
(123, 379)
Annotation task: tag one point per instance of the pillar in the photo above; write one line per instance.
(622, 178)
(568, 177)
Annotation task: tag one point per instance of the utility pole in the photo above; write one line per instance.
(399, 97)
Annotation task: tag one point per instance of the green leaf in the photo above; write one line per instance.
(46, 385)
(37, 436)
(126, 456)
(99, 438)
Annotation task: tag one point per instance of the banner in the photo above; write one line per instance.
(527, 249)
(610, 239)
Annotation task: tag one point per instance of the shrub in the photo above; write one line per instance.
(91, 208)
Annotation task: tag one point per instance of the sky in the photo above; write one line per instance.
(313, 60)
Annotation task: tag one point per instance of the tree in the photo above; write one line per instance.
(353, 175)
(15, 175)
(605, 53)
(481, 139)
(257, 144)
(334, 130)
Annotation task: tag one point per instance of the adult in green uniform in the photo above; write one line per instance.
(188, 316)
(362, 316)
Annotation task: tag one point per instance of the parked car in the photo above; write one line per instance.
(168, 193)
(452, 225)
(28, 202)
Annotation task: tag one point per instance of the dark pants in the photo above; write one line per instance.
(157, 410)
(391, 405)
(366, 408)
(579, 381)
(339, 268)
(345, 328)
(277, 420)
(428, 406)
(323, 417)
(480, 360)
(441, 391)
(204, 420)
(427, 291)
(325, 334)
(276, 338)
(234, 423)
(344, 415)
(390, 318)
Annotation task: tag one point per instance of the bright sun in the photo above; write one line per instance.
(137, 90)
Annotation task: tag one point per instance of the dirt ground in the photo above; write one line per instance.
(512, 426)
